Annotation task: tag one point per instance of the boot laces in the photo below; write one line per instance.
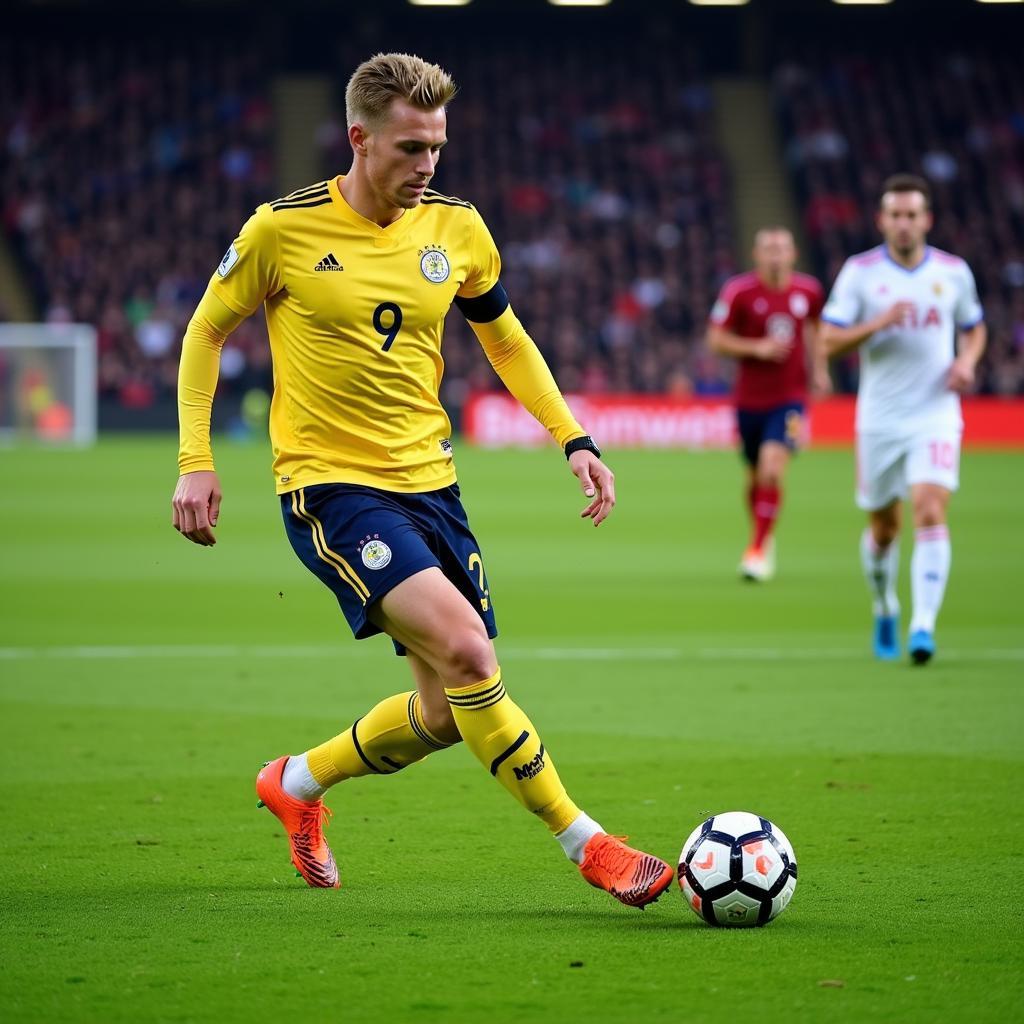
(613, 857)
(313, 820)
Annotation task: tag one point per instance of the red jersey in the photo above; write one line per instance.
(747, 307)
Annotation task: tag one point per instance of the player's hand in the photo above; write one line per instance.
(961, 375)
(895, 314)
(196, 506)
(597, 481)
(772, 350)
(821, 383)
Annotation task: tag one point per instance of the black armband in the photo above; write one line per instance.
(484, 308)
(582, 444)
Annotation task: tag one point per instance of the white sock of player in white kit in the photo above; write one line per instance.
(929, 570)
(881, 570)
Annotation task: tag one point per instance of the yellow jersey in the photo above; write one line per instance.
(355, 314)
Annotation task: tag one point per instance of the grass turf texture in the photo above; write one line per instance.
(141, 883)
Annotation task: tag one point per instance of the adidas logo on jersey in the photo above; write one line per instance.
(329, 262)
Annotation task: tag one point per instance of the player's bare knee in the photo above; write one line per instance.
(468, 657)
(929, 512)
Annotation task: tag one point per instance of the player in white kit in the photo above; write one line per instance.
(913, 312)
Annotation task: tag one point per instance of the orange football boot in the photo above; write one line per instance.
(304, 823)
(631, 876)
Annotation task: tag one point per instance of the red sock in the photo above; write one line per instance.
(766, 510)
(751, 495)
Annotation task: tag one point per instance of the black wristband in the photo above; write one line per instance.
(582, 444)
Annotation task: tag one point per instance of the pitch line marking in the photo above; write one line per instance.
(129, 652)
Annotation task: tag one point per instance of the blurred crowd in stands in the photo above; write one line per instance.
(127, 171)
(126, 175)
(957, 119)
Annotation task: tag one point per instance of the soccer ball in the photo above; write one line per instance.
(737, 870)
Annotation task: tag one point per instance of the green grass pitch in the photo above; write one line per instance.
(143, 681)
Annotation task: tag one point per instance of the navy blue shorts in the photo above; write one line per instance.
(361, 542)
(784, 424)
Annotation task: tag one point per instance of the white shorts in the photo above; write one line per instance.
(887, 466)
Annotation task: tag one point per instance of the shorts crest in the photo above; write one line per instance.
(375, 554)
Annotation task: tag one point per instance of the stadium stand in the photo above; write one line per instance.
(594, 164)
(125, 169)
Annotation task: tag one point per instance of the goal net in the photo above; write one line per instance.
(47, 383)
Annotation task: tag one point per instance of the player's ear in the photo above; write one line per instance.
(357, 136)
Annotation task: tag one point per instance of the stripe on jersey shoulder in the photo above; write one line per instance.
(482, 309)
(301, 193)
(430, 196)
(317, 193)
(306, 204)
(314, 195)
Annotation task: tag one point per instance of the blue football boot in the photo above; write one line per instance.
(887, 642)
(921, 645)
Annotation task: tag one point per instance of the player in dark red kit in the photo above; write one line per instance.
(768, 319)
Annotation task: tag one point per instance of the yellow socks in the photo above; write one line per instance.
(386, 739)
(393, 735)
(505, 741)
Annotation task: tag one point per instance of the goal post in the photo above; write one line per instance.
(47, 383)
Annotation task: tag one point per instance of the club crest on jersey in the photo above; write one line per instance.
(798, 305)
(780, 326)
(230, 259)
(374, 552)
(434, 265)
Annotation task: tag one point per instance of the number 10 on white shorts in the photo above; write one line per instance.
(888, 466)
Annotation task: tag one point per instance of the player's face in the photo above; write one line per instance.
(402, 153)
(774, 253)
(904, 220)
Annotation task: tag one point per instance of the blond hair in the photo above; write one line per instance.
(379, 80)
